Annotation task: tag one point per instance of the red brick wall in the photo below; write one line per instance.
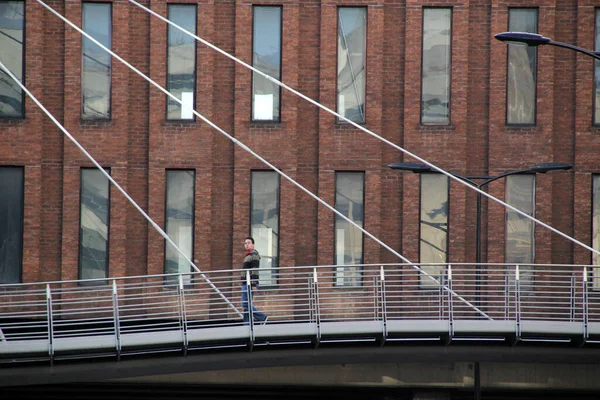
(138, 144)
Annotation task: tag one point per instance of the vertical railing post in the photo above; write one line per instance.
(182, 314)
(116, 319)
(50, 323)
(518, 301)
(585, 304)
(317, 305)
(250, 311)
(450, 304)
(572, 299)
(383, 302)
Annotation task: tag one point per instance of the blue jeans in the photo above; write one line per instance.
(258, 316)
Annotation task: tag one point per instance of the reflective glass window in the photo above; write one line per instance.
(596, 229)
(349, 201)
(97, 63)
(179, 219)
(520, 193)
(94, 224)
(522, 69)
(351, 63)
(12, 24)
(181, 62)
(265, 223)
(11, 223)
(266, 57)
(433, 241)
(597, 72)
(437, 41)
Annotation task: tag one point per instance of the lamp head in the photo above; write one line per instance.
(407, 166)
(545, 167)
(522, 38)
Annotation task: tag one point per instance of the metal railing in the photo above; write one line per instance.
(183, 312)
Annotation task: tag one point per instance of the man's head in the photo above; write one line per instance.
(249, 243)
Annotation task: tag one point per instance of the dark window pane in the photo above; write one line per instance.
(437, 39)
(11, 42)
(352, 28)
(179, 220)
(596, 230)
(597, 72)
(434, 225)
(522, 65)
(11, 224)
(266, 101)
(265, 223)
(349, 200)
(94, 217)
(181, 61)
(96, 61)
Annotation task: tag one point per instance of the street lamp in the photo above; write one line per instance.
(534, 39)
(484, 180)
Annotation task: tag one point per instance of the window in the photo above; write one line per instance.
(12, 17)
(97, 67)
(352, 44)
(265, 223)
(596, 229)
(349, 200)
(179, 220)
(11, 223)
(266, 57)
(181, 62)
(520, 193)
(435, 73)
(597, 73)
(433, 247)
(522, 66)
(94, 224)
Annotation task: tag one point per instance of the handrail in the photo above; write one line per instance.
(139, 314)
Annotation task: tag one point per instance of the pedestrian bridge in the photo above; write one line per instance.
(120, 317)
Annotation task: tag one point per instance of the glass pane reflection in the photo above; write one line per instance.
(352, 22)
(596, 229)
(94, 218)
(265, 223)
(349, 200)
(11, 224)
(97, 65)
(522, 64)
(437, 36)
(433, 246)
(11, 43)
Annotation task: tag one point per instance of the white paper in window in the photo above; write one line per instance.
(341, 105)
(185, 244)
(263, 107)
(187, 98)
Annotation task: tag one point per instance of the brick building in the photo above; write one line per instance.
(426, 75)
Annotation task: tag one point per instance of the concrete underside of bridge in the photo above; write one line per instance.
(406, 366)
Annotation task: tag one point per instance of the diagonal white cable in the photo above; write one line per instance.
(243, 146)
(362, 128)
(88, 155)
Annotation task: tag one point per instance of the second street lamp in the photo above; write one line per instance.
(483, 181)
(534, 39)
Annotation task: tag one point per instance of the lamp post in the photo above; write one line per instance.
(483, 181)
(534, 39)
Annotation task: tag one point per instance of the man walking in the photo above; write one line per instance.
(251, 262)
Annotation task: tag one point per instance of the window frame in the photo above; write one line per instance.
(422, 277)
(166, 219)
(275, 272)
(596, 72)
(96, 281)
(280, 99)
(335, 252)
(449, 117)
(338, 120)
(594, 259)
(22, 222)
(167, 86)
(23, 64)
(535, 94)
(83, 39)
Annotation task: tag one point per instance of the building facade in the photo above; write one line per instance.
(425, 75)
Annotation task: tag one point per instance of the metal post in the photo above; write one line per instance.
(50, 323)
(116, 320)
(182, 314)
